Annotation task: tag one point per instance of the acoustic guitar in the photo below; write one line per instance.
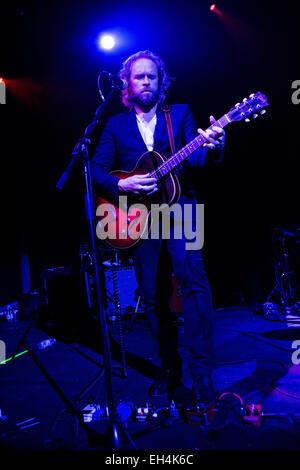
(126, 225)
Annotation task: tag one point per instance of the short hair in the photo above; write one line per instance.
(163, 78)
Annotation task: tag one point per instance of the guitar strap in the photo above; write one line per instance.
(166, 109)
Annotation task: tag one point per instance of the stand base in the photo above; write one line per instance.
(115, 438)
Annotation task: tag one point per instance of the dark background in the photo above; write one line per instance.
(51, 62)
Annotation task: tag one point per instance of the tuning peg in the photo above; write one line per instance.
(255, 116)
(237, 104)
(247, 120)
(263, 111)
(251, 96)
(245, 99)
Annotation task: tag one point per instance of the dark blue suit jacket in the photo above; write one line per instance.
(121, 145)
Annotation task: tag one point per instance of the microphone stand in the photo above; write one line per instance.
(115, 435)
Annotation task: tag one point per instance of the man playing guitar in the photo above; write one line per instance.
(141, 128)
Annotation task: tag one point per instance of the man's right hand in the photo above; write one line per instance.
(138, 184)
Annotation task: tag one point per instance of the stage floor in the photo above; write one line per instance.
(253, 360)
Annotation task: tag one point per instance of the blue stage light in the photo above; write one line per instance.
(106, 42)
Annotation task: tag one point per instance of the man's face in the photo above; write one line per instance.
(144, 83)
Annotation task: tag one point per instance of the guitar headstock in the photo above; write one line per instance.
(249, 106)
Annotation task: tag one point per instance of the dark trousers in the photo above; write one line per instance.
(152, 268)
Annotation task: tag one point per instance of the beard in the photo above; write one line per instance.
(146, 101)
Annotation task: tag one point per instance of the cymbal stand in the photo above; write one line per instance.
(282, 275)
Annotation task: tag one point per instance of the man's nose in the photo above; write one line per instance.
(146, 81)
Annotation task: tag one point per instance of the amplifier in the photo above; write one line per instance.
(120, 281)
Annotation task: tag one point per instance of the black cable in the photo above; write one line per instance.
(251, 394)
(262, 341)
(235, 362)
(130, 439)
(59, 418)
(249, 360)
(285, 393)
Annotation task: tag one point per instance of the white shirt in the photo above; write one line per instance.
(147, 128)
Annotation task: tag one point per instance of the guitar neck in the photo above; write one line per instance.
(186, 151)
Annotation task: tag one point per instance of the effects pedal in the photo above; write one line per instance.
(200, 416)
(144, 413)
(252, 415)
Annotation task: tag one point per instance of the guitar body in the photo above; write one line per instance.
(124, 226)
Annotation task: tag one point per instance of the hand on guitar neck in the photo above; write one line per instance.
(215, 136)
(138, 184)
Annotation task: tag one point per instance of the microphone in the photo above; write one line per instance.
(117, 81)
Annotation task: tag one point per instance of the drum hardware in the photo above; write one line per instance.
(283, 283)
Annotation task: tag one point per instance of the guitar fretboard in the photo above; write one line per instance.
(186, 151)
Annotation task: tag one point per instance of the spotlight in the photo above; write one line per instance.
(106, 42)
(212, 7)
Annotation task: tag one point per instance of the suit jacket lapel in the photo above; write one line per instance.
(134, 130)
(160, 130)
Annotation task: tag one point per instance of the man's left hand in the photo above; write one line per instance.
(215, 136)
